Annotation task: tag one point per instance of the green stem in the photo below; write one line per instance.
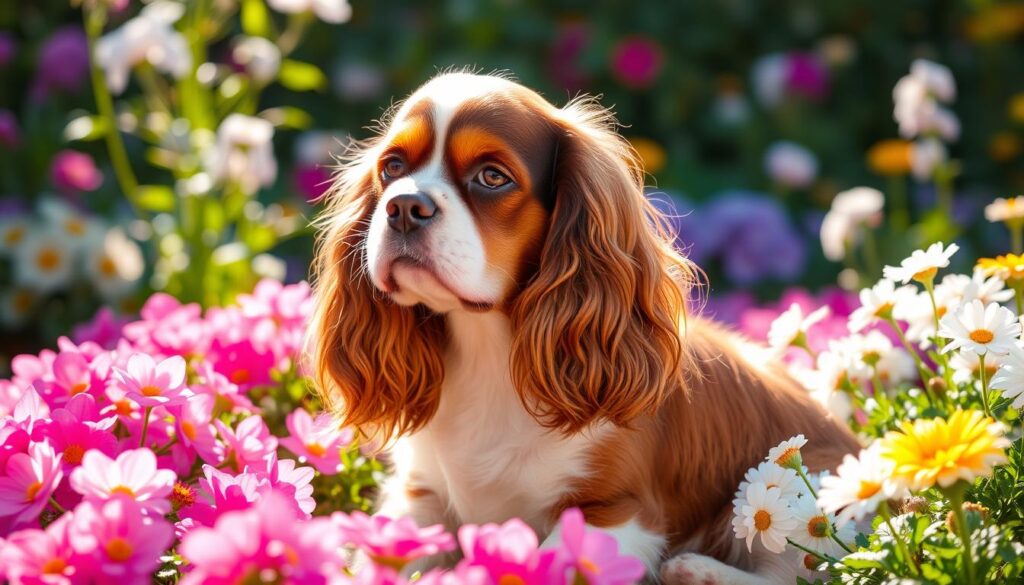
(1018, 297)
(880, 396)
(922, 368)
(883, 509)
(871, 258)
(94, 21)
(56, 506)
(145, 425)
(1016, 236)
(899, 210)
(984, 385)
(957, 501)
(826, 558)
(807, 482)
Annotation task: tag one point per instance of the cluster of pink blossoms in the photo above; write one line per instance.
(142, 453)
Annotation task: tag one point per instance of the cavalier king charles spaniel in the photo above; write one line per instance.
(499, 305)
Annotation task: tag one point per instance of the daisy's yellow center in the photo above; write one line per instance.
(787, 456)
(188, 429)
(118, 549)
(926, 275)
(54, 566)
(73, 454)
(818, 527)
(762, 520)
(48, 259)
(871, 357)
(316, 449)
(868, 489)
(150, 391)
(123, 489)
(107, 267)
(511, 580)
(79, 388)
(32, 490)
(982, 336)
(941, 311)
(884, 310)
(75, 227)
(14, 235)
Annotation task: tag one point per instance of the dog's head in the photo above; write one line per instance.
(479, 195)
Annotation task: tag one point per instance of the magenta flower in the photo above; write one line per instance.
(73, 437)
(594, 555)
(104, 329)
(806, 75)
(508, 552)
(123, 543)
(241, 362)
(71, 376)
(42, 556)
(194, 429)
(228, 397)
(149, 384)
(392, 542)
(170, 328)
(285, 477)
(318, 441)
(28, 482)
(265, 542)
(312, 181)
(249, 443)
(636, 62)
(13, 440)
(133, 475)
(63, 63)
(10, 131)
(73, 172)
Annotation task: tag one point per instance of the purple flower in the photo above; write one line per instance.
(312, 181)
(73, 172)
(63, 63)
(636, 62)
(806, 75)
(8, 47)
(10, 132)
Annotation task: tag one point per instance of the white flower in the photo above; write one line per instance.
(980, 328)
(244, 153)
(922, 265)
(790, 164)
(768, 78)
(16, 306)
(333, 11)
(814, 529)
(859, 485)
(879, 302)
(987, 289)
(937, 79)
(773, 476)
(13, 231)
(874, 352)
(966, 366)
(926, 155)
(826, 383)
(764, 512)
(1010, 377)
(791, 325)
(260, 57)
(918, 311)
(843, 224)
(115, 265)
(75, 225)
(149, 37)
(916, 100)
(44, 261)
(1005, 209)
(787, 453)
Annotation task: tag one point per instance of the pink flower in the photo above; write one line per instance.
(148, 383)
(508, 552)
(71, 376)
(265, 542)
(636, 62)
(29, 481)
(38, 556)
(170, 328)
(194, 429)
(133, 475)
(228, 397)
(594, 555)
(249, 443)
(241, 362)
(318, 442)
(123, 543)
(73, 172)
(104, 329)
(285, 477)
(312, 181)
(392, 542)
(221, 493)
(73, 437)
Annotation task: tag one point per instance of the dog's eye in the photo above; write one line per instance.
(392, 168)
(492, 178)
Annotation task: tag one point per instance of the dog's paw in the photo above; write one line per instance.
(691, 569)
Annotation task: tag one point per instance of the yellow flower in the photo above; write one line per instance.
(890, 158)
(1009, 267)
(938, 451)
(651, 154)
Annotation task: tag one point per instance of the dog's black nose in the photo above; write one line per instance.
(407, 213)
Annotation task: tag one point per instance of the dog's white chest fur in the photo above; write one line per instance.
(483, 454)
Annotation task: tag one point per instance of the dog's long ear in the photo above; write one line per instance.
(376, 364)
(596, 333)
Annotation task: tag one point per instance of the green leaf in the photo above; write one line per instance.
(86, 128)
(299, 76)
(866, 559)
(288, 117)
(156, 198)
(255, 18)
(259, 238)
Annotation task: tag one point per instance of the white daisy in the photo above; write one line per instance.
(926, 155)
(980, 328)
(244, 153)
(987, 289)
(13, 231)
(844, 223)
(44, 262)
(1005, 209)
(115, 265)
(827, 383)
(78, 227)
(1010, 377)
(332, 11)
(922, 265)
(764, 512)
(148, 37)
(17, 305)
(859, 485)
(879, 302)
(771, 475)
(787, 453)
(875, 351)
(815, 528)
(966, 366)
(919, 315)
(790, 164)
(790, 328)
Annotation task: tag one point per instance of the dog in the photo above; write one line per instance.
(500, 305)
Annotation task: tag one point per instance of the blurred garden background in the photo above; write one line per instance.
(187, 155)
